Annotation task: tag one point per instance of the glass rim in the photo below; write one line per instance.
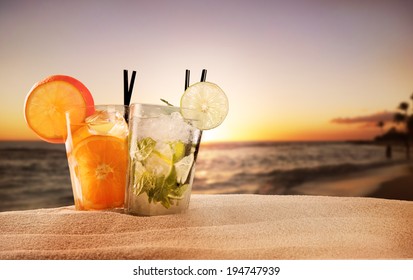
(98, 105)
(90, 109)
(155, 110)
(149, 105)
(73, 118)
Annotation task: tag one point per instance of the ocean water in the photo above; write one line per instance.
(273, 168)
(36, 175)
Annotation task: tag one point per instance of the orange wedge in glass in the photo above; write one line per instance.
(47, 102)
(101, 170)
(80, 134)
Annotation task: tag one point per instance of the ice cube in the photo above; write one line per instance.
(165, 128)
(104, 122)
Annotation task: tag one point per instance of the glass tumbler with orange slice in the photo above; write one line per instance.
(60, 109)
(97, 150)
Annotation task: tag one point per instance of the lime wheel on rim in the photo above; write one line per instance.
(206, 104)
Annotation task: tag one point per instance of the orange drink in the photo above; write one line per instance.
(97, 152)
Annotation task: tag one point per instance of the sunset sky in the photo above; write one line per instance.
(292, 70)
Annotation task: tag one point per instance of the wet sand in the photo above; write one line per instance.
(394, 182)
(398, 188)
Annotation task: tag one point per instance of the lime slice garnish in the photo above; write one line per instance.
(164, 151)
(206, 104)
(159, 162)
(183, 167)
(178, 148)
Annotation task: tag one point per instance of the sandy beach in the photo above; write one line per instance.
(218, 227)
(394, 182)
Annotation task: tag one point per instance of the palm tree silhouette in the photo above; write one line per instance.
(404, 106)
(381, 125)
(399, 118)
(403, 117)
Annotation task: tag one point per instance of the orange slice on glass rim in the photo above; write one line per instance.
(47, 102)
(101, 167)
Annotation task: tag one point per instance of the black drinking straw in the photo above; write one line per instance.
(128, 88)
(187, 74)
(203, 75)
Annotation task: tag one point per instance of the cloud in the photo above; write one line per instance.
(368, 120)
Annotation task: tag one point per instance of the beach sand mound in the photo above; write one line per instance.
(218, 227)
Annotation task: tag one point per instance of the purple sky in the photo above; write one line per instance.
(288, 67)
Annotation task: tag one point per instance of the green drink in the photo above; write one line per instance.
(162, 155)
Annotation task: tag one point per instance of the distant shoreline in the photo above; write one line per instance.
(219, 144)
(246, 142)
(400, 188)
(392, 182)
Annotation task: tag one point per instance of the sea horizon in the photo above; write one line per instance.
(36, 173)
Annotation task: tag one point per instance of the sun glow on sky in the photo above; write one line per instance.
(288, 67)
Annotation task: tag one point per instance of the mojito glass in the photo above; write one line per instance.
(163, 147)
(97, 151)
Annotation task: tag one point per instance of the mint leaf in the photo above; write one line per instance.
(160, 189)
(145, 148)
(178, 193)
(166, 188)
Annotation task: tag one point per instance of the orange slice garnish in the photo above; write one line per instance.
(47, 102)
(101, 169)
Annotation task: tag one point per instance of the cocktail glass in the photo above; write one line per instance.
(163, 147)
(97, 150)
